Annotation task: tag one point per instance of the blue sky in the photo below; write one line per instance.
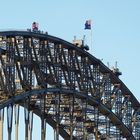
(115, 28)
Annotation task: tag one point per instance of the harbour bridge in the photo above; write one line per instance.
(66, 87)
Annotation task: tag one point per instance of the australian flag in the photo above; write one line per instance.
(88, 24)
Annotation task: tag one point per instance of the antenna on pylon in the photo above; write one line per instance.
(116, 70)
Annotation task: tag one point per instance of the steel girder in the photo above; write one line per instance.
(66, 86)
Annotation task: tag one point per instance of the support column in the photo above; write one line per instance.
(26, 124)
(26, 116)
(43, 129)
(71, 116)
(43, 120)
(31, 124)
(57, 109)
(1, 123)
(9, 120)
(16, 121)
(85, 120)
(54, 134)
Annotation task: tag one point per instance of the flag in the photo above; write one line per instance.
(88, 24)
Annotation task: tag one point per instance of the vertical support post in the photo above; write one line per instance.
(1, 123)
(107, 99)
(26, 124)
(43, 121)
(57, 107)
(16, 121)
(26, 116)
(54, 134)
(118, 108)
(85, 120)
(31, 123)
(71, 116)
(96, 75)
(9, 120)
(96, 116)
(43, 129)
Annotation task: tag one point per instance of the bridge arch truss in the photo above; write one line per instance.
(68, 88)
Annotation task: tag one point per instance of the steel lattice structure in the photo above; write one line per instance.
(64, 85)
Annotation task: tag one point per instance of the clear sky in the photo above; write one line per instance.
(115, 28)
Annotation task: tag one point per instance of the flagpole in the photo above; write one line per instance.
(91, 35)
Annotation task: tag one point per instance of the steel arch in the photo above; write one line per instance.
(35, 63)
(92, 101)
